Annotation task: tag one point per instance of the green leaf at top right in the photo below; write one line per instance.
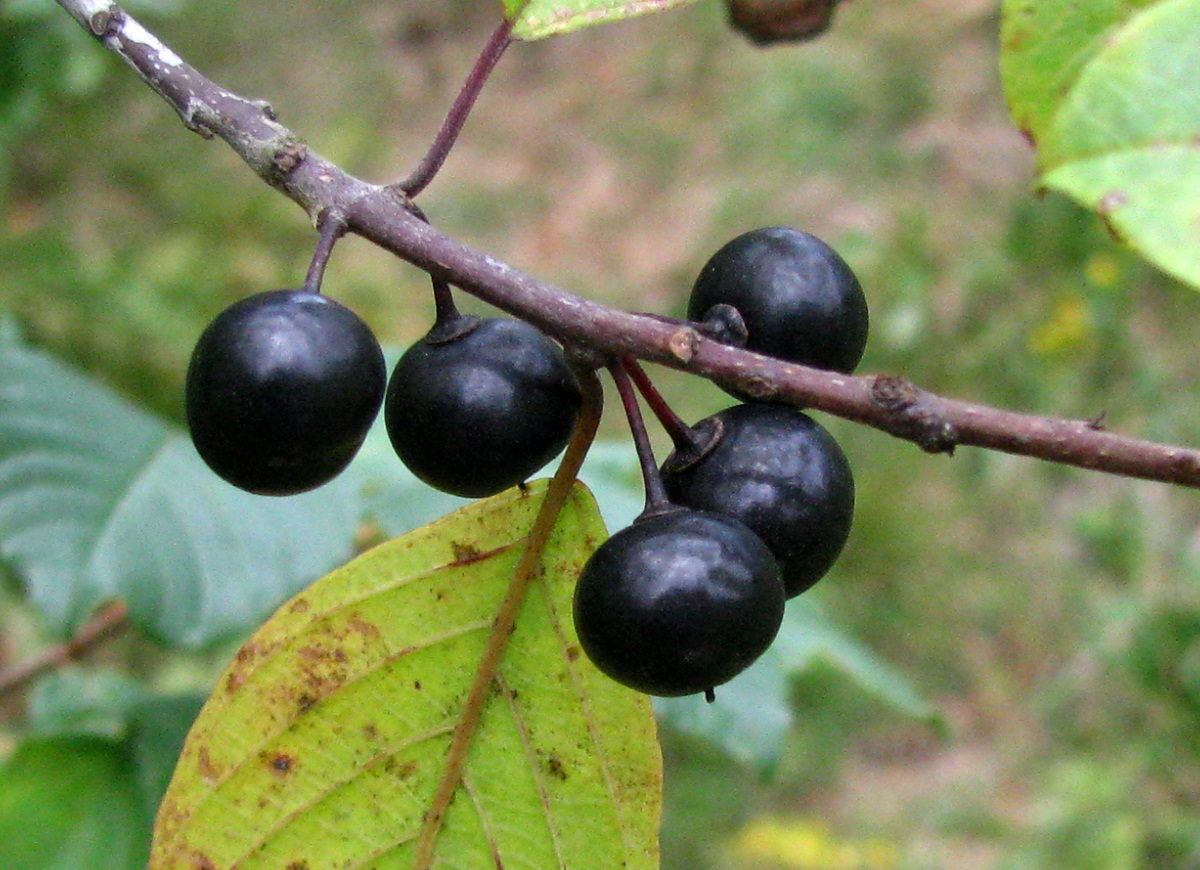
(1108, 91)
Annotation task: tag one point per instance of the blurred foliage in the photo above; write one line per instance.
(1069, 71)
(1051, 614)
(83, 790)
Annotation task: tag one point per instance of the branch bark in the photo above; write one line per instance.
(385, 216)
(109, 621)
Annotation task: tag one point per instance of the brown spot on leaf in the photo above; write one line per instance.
(204, 763)
(243, 663)
(400, 770)
(555, 768)
(200, 861)
(299, 605)
(363, 627)
(320, 655)
(323, 666)
(465, 552)
(573, 653)
(298, 865)
(282, 763)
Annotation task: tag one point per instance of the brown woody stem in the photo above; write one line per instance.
(383, 215)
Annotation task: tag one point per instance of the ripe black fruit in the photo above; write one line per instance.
(281, 390)
(483, 409)
(678, 602)
(798, 298)
(780, 473)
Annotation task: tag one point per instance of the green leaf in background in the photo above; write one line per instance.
(326, 738)
(537, 19)
(81, 793)
(158, 726)
(752, 712)
(99, 499)
(70, 803)
(1106, 90)
(612, 474)
(198, 560)
(393, 498)
(72, 703)
(67, 452)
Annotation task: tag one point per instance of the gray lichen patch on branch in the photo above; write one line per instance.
(89, 13)
(249, 126)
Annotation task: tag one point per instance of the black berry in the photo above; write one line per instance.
(779, 472)
(472, 411)
(678, 602)
(281, 390)
(798, 298)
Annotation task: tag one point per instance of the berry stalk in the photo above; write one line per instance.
(330, 227)
(681, 434)
(460, 110)
(656, 494)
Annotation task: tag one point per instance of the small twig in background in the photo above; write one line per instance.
(109, 621)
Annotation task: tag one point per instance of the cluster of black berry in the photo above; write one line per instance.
(752, 508)
(755, 504)
(284, 385)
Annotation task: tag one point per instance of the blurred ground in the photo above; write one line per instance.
(1040, 608)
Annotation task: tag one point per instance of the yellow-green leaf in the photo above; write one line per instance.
(324, 741)
(1106, 90)
(537, 19)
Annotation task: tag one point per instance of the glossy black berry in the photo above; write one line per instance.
(780, 473)
(798, 298)
(483, 409)
(281, 390)
(678, 602)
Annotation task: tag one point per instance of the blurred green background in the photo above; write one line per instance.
(1051, 615)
